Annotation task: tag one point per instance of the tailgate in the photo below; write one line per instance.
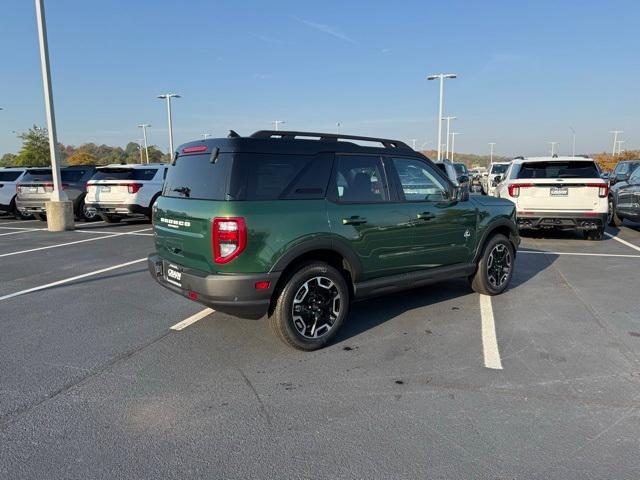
(566, 196)
(107, 192)
(183, 231)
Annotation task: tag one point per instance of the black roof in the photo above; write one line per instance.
(292, 142)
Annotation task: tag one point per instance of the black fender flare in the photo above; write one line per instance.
(321, 243)
(514, 237)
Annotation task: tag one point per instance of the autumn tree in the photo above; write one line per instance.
(82, 157)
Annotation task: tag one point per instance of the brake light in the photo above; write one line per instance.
(48, 187)
(603, 189)
(196, 149)
(514, 188)
(229, 238)
(134, 187)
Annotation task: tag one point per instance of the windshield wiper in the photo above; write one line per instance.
(186, 191)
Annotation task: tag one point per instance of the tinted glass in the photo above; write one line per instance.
(568, 169)
(634, 179)
(419, 181)
(499, 169)
(124, 174)
(461, 168)
(37, 175)
(72, 175)
(195, 176)
(9, 176)
(360, 179)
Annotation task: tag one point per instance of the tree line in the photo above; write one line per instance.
(35, 152)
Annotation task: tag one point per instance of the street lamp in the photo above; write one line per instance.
(453, 143)
(144, 127)
(491, 145)
(441, 77)
(205, 135)
(615, 140)
(59, 208)
(553, 147)
(168, 97)
(276, 123)
(573, 149)
(337, 128)
(140, 150)
(620, 142)
(448, 119)
(413, 142)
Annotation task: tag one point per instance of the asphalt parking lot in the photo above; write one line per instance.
(540, 382)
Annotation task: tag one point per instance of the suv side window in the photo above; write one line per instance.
(359, 179)
(634, 179)
(419, 181)
(622, 167)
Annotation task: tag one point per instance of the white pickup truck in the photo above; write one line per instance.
(557, 192)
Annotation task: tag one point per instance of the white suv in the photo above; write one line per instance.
(557, 192)
(9, 178)
(118, 191)
(496, 169)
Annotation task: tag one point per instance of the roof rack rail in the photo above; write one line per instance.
(291, 135)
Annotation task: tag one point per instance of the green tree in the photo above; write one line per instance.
(35, 148)
(81, 157)
(7, 160)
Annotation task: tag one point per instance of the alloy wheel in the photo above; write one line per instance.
(316, 307)
(499, 265)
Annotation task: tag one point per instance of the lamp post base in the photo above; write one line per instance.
(60, 216)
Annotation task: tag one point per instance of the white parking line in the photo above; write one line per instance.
(124, 233)
(192, 319)
(71, 279)
(23, 230)
(624, 242)
(68, 243)
(546, 252)
(18, 222)
(489, 339)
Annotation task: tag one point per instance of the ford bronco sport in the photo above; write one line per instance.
(295, 225)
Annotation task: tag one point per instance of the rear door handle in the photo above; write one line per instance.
(354, 220)
(426, 216)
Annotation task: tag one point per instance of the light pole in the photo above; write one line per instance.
(168, 97)
(144, 127)
(441, 77)
(553, 147)
(453, 143)
(491, 145)
(448, 119)
(337, 128)
(620, 142)
(573, 148)
(615, 140)
(205, 135)
(59, 208)
(276, 124)
(413, 142)
(140, 150)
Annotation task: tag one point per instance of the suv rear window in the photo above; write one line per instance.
(568, 169)
(499, 169)
(194, 176)
(72, 175)
(124, 174)
(9, 176)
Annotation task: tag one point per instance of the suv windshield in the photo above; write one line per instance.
(499, 168)
(561, 169)
(9, 176)
(117, 173)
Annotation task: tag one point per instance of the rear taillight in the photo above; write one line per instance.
(603, 189)
(514, 188)
(134, 187)
(229, 237)
(48, 187)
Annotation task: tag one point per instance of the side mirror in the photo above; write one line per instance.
(621, 177)
(497, 180)
(463, 178)
(461, 193)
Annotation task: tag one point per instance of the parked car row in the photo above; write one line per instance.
(111, 192)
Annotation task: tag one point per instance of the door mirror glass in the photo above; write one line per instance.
(462, 193)
(497, 180)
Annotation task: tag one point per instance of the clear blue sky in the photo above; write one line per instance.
(527, 70)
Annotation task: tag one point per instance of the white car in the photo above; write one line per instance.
(119, 191)
(9, 178)
(496, 169)
(557, 192)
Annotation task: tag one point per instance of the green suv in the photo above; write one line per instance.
(296, 225)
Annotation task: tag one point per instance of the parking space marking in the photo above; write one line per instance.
(23, 230)
(579, 254)
(624, 242)
(137, 232)
(192, 319)
(19, 222)
(71, 279)
(489, 338)
(68, 243)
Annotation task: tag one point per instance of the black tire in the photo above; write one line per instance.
(594, 234)
(319, 293)
(16, 213)
(612, 217)
(492, 278)
(82, 214)
(107, 217)
(153, 200)
(40, 216)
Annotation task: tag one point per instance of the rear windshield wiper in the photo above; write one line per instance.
(186, 191)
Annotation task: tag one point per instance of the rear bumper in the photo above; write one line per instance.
(229, 293)
(31, 206)
(561, 220)
(119, 208)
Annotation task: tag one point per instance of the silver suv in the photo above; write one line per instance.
(35, 188)
(9, 178)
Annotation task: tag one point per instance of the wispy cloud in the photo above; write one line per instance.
(328, 29)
